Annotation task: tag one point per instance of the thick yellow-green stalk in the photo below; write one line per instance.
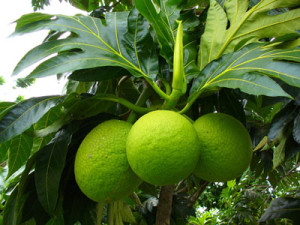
(179, 80)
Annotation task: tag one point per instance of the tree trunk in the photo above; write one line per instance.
(164, 208)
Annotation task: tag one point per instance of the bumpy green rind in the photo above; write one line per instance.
(101, 168)
(226, 147)
(162, 147)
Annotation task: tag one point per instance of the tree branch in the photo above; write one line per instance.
(164, 207)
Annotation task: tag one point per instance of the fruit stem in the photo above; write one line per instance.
(164, 208)
(100, 207)
(141, 101)
(118, 206)
(156, 88)
(110, 213)
(124, 102)
(190, 102)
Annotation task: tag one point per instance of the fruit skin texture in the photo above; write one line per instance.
(226, 148)
(101, 168)
(162, 147)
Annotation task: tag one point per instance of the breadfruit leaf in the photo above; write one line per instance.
(235, 26)
(250, 70)
(122, 40)
(162, 16)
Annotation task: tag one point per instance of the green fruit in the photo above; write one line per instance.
(101, 168)
(226, 148)
(162, 147)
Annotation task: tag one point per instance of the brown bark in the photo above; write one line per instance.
(164, 208)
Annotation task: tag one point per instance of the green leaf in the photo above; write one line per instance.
(25, 82)
(5, 107)
(98, 74)
(9, 214)
(296, 128)
(25, 114)
(230, 104)
(78, 87)
(282, 120)
(282, 208)
(3, 151)
(20, 194)
(162, 16)
(248, 70)
(124, 41)
(234, 26)
(49, 166)
(86, 5)
(279, 152)
(52, 116)
(19, 151)
(80, 208)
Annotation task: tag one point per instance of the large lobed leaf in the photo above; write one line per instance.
(235, 26)
(123, 40)
(162, 16)
(250, 70)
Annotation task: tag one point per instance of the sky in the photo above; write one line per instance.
(12, 49)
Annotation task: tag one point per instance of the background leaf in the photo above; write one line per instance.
(283, 208)
(25, 114)
(49, 166)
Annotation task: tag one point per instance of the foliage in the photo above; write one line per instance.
(20, 98)
(122, 61)
(87, 5)
(2, 81)
(25, 82)
(245, 201)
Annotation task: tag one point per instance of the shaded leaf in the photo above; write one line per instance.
(235, 26)
(247, 70)
(52, 116)
(283, 208)
(3, 151)
(296, 128)
(229, 103)
(281, 121)
(97, 44)
(291, 148)
(279, 152)
(98, 74)
(78, 87)
(162, 16)
(14, 207)
(25, 114)
(49, 166)
(19, 151)
(33, 209)
(9, 215)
